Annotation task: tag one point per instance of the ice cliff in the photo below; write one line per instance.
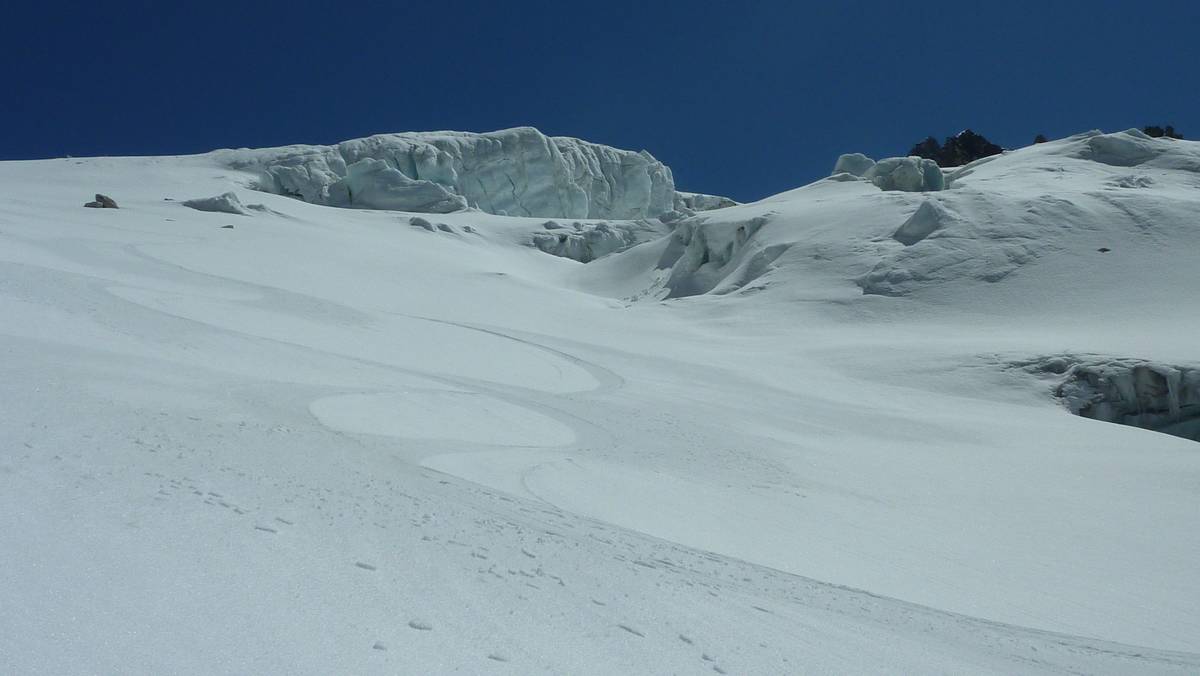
(585, 242)
(909, 174)
(694, 201)
(515, 172)
(1145, 394)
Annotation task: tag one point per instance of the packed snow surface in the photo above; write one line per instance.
(823, 432)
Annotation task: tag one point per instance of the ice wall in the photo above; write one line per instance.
(716, 256)
(516, 172)
(908, 174)
(694, 201)
(855, 164)
(585, 242)
(1133, 392)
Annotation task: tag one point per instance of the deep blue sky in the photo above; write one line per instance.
(739, 98)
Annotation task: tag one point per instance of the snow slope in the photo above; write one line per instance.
(791, 436)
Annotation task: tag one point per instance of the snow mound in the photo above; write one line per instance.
(1129, 148)
(424, 224)
(929, 218)
(977, 237)
(1125, 149)
(517, 172)
(1134, 392)
(225, 203)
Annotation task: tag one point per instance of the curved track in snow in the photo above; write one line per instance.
(322, 441)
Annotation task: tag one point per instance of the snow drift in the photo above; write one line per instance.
(225, 203)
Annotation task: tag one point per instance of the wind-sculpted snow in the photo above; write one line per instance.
(928, 219)
(1083, 197)
(516, 172)
(1131, 148)
(226, 202)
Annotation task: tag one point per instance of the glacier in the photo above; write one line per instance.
(1135, 392)
(665, 443)
(515, 172)
(695, 201)
(909, 174)
(855, 164)
(585, 242)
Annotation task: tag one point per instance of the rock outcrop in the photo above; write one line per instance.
(102, 202)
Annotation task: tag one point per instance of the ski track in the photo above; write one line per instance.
(764, 583)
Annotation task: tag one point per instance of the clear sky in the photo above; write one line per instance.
(739, 98)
